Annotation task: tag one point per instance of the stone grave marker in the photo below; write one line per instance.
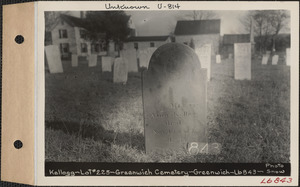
(265, 59)
(144, 58)
(242, 61)
(275, 59)
(53, 59)
(175, 100)
(93, 60)
(218, 59)
(106, 63)
(131, 57)
(204, 55)
(74, 60)
(120, 71)
(288, 56)
(230, 56)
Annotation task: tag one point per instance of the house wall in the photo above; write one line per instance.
(200, 40)
(145, 45)
(71, 36)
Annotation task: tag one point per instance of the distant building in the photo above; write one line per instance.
(143, 42)
(69, 34)
(199, 32)
(230, 39)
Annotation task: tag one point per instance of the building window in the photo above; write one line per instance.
(63, 33)
(84, 48)
(64, 48)
(82, 33)
(152, 44)
(136, 46)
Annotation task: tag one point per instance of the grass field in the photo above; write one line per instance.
(88, 118)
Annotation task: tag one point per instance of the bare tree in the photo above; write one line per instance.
(267, 24)
(198, 15)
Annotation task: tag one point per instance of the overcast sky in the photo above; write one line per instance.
(156, 23)
(153, 23)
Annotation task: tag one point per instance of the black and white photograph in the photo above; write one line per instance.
(167, 86)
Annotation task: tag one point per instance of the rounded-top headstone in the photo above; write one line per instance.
(173, 57)
(174, 98)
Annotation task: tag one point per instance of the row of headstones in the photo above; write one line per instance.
(275, 58)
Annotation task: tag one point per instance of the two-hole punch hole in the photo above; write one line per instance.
(19, 39)
(18, 144)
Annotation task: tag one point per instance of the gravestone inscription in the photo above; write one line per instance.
(53, 59)
(174, 99)
(242, 61)
(204, 55)
(120, 71)
(74, 60)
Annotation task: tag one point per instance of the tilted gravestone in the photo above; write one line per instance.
(265, 59)
(204, 55)
(93, 60)
(106, 63)
(242, 61)
(120, 71)
(275, 59)
(131, 57)
(53, 59)
(288, 56)
(175, 100)
(74, 60)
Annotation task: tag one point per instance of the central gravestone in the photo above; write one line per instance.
(174, 98)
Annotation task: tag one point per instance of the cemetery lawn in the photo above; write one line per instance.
(90, 119)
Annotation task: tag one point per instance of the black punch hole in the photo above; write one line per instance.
(19, 39)
(18, 144)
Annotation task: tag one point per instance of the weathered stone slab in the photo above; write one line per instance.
(74, 60)
(230, 56)
(242, 61)
(120, 71)
(204, 55)
(131, 57)
(53, 59)
(144, 58)
(288, 56)
(265, 59)
(218, 59)
(93, 60)
(106, 63)
(174, 99)
(275, 59)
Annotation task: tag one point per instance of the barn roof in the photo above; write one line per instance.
(147, 38)
(230, 39)
(195, 27)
